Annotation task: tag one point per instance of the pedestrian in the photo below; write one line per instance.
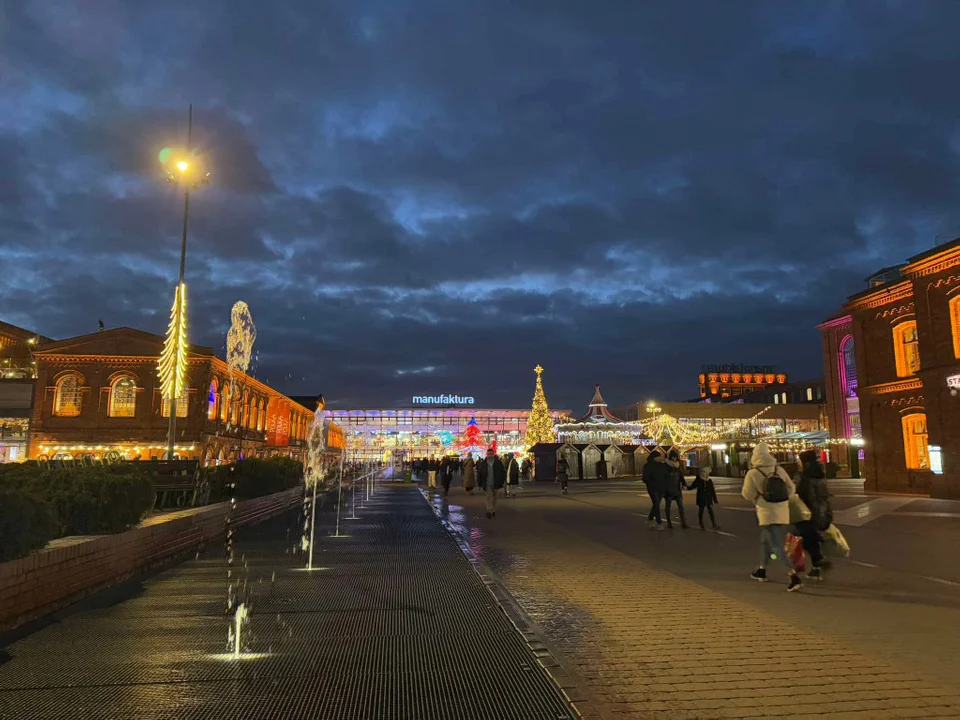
(526, 470)
(706, 496)
(491, 476)
(655, 478)
(675, 487)
(446, 474)
(432, 467)
(769, 487)
(812, 489)
(512, 469)
(563, 473)
(469, 474)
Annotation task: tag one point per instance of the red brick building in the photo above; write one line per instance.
(100, 392)
(892, 368)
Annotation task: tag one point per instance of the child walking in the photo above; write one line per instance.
(706, 496)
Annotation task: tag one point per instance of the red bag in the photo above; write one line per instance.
(794, 549)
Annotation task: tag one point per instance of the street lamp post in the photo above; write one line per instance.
(187, 175)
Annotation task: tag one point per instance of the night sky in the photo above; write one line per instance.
(432, 196)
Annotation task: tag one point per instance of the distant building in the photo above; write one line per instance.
(812, 392)
(100, 393)
(727, 381)
(892, 373)
(16, 351)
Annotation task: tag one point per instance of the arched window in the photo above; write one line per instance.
(906, 349)
(68, 398)
(212, 400)
(123, 397)
(261, 415)
(955, 324)
(235, 410)
(183, 404)
(225, 403)
(245, 410)
(915, 441)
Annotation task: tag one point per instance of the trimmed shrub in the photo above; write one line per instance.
(254, 477)
(27, 523)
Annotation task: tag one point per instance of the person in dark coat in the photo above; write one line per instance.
(675, 487)
(526, 470)
(706, 496)
(812, 489)
(491, 476)
(446, 474)
(469, 474)
(512, 468)
(655, 478)
(563, 473)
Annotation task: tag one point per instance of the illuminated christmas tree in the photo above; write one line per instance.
(539, 425)
(473, 440)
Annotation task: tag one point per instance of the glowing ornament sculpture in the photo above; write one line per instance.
(240, 338)
(539, 425)
(473, 440)
(173, 358)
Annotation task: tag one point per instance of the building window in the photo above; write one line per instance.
(906, 349)
(783, 398)
(225, 403)
(809, 394)
(848, 367)
(123, 398)
(212, 399)
(182, 405)
(68, 398)
(955, 324)
(915, 441)
(776, 399)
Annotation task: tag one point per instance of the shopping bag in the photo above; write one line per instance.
(793, 547)
(799, 512)
(834, 543)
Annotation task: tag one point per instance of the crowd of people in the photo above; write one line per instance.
(491, 474)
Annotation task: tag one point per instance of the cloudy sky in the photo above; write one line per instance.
(428, 196)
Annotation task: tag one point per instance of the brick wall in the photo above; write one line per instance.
(50, 579)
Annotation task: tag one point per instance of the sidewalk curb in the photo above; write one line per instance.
(560, 670)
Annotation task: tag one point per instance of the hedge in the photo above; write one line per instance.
(253, 477)
(27, 523)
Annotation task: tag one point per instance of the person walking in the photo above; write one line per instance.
(491, 476)
(769, 487)
(675, 487)
(512, 468)
(812, 489)
(706, 496)
(526, 470)
(655, 478)
(469, 474)
(563, 473)
(432, 467)
(446, 474)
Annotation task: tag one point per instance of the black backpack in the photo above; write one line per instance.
(775, 489)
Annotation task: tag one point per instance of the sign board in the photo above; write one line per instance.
(278, 422)
(936, 459)
(442, 400)
(953, 381)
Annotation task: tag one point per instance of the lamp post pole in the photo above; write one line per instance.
(172, 427)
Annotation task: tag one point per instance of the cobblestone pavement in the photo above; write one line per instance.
(394, 624)
(608, 596)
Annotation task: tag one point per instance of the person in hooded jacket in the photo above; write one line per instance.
(812, 489)
(675, 487)
(773, 515)
(655, 478)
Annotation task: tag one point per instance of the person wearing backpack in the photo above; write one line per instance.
(769, 487)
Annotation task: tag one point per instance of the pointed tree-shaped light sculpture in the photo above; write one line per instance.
(473, 440)
(173, 359)
(539, 425)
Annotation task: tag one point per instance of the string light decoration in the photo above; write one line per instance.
(173, 359)
(539, 424)
(666, 429)
(240, 338)
(473, 440)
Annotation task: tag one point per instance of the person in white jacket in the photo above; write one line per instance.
(761, 486)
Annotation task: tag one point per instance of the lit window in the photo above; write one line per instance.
(906, 349)
(955, 324)
(809, 394)
(783, 398)
(182, 405)
(212, 401)
(68, 398)
(915, 441)
(776, 399)
(123, 398)
(225, 403)
(261, 416)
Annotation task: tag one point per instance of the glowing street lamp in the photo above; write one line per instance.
(173, 359)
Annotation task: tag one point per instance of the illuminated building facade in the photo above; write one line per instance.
(421, 431)
(729, 381)
(892, 364)
(100, 393)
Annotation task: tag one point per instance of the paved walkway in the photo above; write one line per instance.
(644, 642)
(397, 624)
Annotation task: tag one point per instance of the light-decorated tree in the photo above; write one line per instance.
(539, 425)
(473, 440)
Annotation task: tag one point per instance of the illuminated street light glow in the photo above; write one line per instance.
(183, 165)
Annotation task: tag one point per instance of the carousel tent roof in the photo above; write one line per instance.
(598, 412)
(815, 437)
